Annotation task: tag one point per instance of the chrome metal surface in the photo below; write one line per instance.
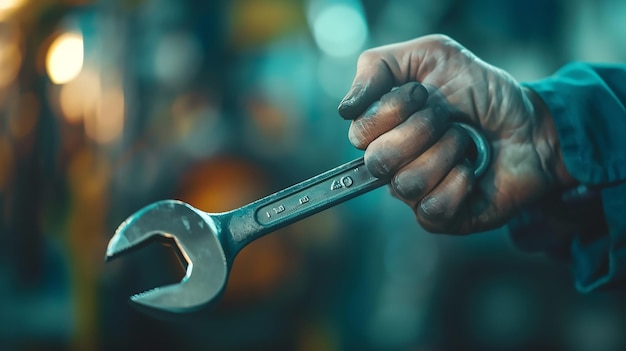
(209, 242)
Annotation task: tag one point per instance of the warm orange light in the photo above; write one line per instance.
(96, 102)
(64, 60)
(80, 96)
(23, 123)
(107, 123)
(6, 163)
(71, 102)
(10, 60)
(7, 7)
(10, 4)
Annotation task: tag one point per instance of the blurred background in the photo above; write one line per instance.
(109, 105)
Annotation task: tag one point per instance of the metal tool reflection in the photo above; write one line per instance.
(209, 242)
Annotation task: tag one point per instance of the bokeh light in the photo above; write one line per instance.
(64, 60)
(177, 59)
(339, 29)
(6, 163)
(10, 55)
(110, 105)
(7, 7)
(22, 123)
(108, 122)
(80, 96)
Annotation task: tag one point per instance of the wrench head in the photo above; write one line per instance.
(196, 235)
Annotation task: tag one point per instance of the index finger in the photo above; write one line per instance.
(376, 74)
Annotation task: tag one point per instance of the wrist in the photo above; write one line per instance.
(546, 141)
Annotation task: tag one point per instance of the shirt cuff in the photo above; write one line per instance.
(590, 121)
(586, 104)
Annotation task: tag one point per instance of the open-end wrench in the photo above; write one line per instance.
(209, 242)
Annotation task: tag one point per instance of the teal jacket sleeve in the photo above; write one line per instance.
(588, 104)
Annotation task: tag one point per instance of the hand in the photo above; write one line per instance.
(407, 136)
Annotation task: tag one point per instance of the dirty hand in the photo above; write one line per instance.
(407, 137)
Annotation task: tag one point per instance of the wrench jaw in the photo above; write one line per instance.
(195, 234)
(185, 299)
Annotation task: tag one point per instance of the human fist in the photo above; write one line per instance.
(402, 102)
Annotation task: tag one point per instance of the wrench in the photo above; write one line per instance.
(209, 242)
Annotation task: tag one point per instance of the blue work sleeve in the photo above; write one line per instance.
(588, 104)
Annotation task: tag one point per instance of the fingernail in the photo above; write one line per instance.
(352, 94)
(349, 101)
(431, 207)
(377, 165)
(419, 93)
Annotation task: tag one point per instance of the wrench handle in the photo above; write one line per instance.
(317, 194)
(300, 201)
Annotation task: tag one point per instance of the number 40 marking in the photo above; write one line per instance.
(344, 181)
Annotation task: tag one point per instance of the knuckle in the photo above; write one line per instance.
(439, 39)
(446, 45)
(368, 56)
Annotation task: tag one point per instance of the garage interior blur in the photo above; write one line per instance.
(109, 105)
